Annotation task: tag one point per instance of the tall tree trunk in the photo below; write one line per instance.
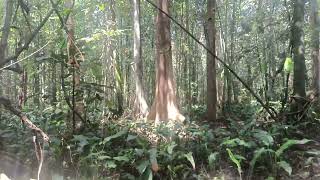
(211, 62)
(77, 99)
(114, 56)
(164, 106)
(8, 11)
(36, 85)
(140, 103)
(299, 78)
(233, 83)
(53, 84)
(315, 25)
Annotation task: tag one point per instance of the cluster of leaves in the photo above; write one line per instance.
(131, 156)
(264, 147)
(134, 150)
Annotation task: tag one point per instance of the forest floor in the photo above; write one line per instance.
(196, 150)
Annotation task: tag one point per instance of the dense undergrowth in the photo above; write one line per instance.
(243, 145)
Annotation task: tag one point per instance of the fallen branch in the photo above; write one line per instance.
(24, 119)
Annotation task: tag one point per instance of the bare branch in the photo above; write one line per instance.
(8, 105)
(26, 45)
(17, 68)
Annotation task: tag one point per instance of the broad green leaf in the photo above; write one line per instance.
(139, 152)
(82, 141)
(264, 137)
(110, 164)
(121, 158)
(79, 138)
(234, 159)
(212, 158)
(117, 135)
(153, 159)
(143, 166)
(288, 65)
(189, 157)
(104, 157)
(290, 143)
(131, 137)
(257, 155)
(170, 147)
(147, 175)
(286, 166)
(236, 142)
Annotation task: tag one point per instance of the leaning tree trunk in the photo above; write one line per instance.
(164, 106)
(140, 103)
(211, 63)
(299, 78)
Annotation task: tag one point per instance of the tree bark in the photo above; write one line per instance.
(164, 106)
(211, 62)
(77, 99)
(315, 25)
(299, 78)
(140, 103)
(8, 11)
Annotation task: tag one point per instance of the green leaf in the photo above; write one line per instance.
(257, 155)
(286, 166)
(131, 137)
(190, 159)
(139, 152)
(212, 158)
(270, 178)
(234, 159)
(236, 142)
(147, 174)
(82, 141)
(66, 11)
(290, 143)
(143, 166)
(102, 7)
(104, 157)
(288, 65)
(121, 158)
(79, 138)
(117, 135)
(264, 137)
(314, 152)
(153, 158)
(170, 147)
(110, 164)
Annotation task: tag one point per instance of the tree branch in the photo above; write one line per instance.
(17, 68)
(8, 105)
(26, 45)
